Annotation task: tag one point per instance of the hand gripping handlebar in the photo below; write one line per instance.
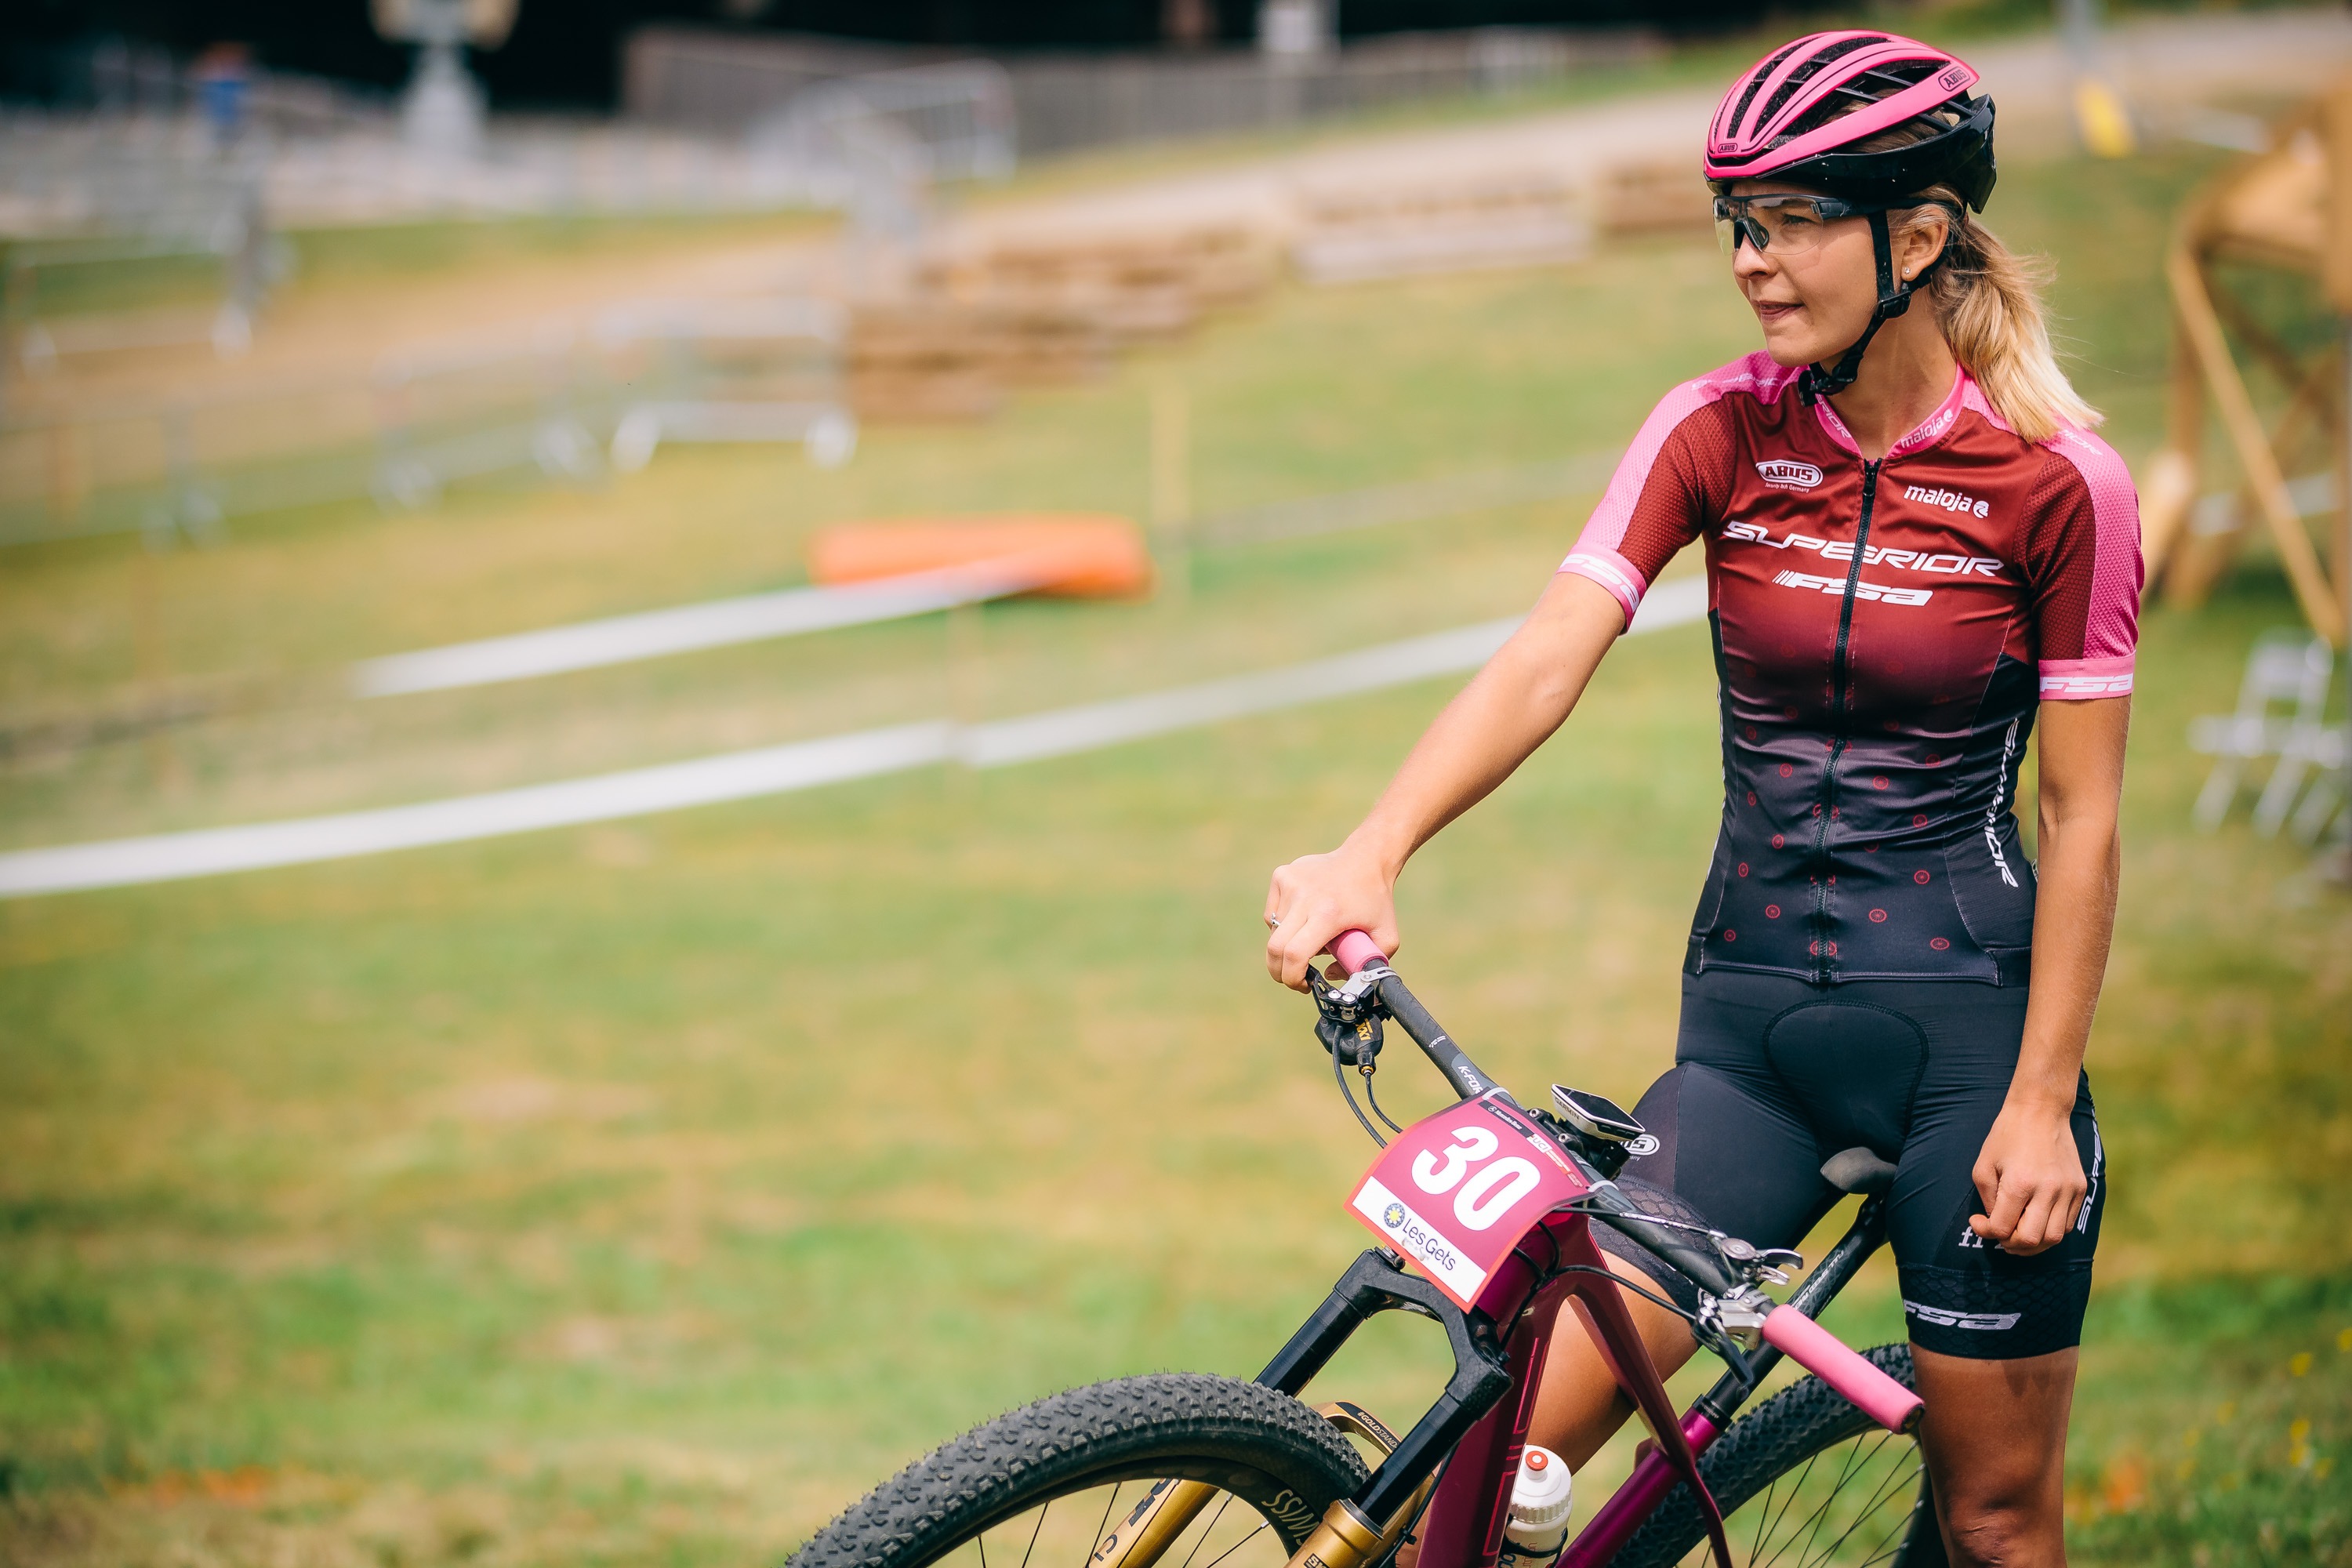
(1791, 1332)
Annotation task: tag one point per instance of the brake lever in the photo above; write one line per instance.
(1758, 1264)
(1730, 1327)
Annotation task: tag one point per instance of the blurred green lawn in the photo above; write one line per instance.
(642, 1193)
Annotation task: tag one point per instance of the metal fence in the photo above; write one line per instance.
(549, 402)
(726, 82)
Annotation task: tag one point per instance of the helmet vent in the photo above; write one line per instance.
(1756, 80)
(1804, 73)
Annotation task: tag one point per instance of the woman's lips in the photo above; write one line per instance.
(1769, 312)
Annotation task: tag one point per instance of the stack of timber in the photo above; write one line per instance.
(1510, 217)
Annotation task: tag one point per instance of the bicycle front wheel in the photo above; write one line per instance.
(1176, 1471)
(1805, 1480)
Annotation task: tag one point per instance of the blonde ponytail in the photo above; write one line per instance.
(1989, 302)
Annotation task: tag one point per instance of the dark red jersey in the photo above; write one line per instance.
(1883, 632)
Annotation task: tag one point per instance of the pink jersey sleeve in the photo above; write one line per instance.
(1672, 480)
(2082, 558)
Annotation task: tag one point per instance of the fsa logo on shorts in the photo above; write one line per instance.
(1782, 474)
(1950, 500)
(1942, 1318)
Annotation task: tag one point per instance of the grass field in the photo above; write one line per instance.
(642, 1193)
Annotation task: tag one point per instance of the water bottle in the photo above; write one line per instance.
(1540, 1502)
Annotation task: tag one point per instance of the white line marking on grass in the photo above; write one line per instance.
(755, 618)
(733, 776)
(622, 639)
(1096, 724)
(775, 770)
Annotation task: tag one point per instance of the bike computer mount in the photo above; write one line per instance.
(1605, 1132)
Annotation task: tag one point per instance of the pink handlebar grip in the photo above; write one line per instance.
(1354, 950)
(1820, 1351)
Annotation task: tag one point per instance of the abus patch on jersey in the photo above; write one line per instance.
(1780, 473)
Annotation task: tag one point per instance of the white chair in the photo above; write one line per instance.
(2282, 711)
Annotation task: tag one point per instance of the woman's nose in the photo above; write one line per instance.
(1749, 261)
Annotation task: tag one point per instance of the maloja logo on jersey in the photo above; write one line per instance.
(1950, 500)
(1782, 473)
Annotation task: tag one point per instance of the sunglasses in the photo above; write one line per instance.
(1784, 225)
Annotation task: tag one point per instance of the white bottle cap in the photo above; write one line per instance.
(1540, 1500)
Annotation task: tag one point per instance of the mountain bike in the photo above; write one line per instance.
(1482, 1215)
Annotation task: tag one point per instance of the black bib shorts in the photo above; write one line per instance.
(1773, 1075)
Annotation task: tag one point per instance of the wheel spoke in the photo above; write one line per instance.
(1223, 1504)
(1106, 1518)
(1821, 1513)
(1879, 1495)
(1237, 1546)
(1796, 1490)
(1763, 1512)
(1035, 1530)
(1878, 1553)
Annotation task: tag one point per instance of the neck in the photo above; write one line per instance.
(1904, 377)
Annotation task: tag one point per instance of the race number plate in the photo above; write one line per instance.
(1457, 1191)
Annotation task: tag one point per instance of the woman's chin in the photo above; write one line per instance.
(1788, 350)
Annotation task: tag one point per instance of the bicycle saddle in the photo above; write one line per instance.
(1858, 1170)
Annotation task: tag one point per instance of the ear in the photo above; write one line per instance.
(1922, 242)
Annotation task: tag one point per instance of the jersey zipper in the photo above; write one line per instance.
(1841, 694)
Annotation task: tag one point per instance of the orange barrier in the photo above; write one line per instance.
(1078, 555)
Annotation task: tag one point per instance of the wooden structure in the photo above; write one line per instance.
(2289, 210)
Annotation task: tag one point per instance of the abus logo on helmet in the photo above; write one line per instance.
(1782, 474)
(1952, 78)
(1950, 500)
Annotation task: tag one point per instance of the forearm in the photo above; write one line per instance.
(2080, 875)
(2074, 923)
(1523, 695)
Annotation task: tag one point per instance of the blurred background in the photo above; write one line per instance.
(652, 655)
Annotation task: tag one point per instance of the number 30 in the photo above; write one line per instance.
(1473, 1145)
(1490, 1194)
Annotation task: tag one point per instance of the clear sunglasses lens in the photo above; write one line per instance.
(1785, 226)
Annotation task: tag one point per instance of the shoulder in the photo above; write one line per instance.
(1751, 378)
(2078, 465)
(1711, 405)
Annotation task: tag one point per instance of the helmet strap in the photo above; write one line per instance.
(1894, 300)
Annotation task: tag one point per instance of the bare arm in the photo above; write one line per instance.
(2029, 1175)
(1510, 708)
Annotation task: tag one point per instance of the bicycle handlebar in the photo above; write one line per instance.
(1357, 951)
(1824, 1356)
(1791, 1332)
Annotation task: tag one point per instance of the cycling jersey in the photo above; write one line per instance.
(1883, 633)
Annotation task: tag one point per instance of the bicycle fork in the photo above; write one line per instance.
(1363, 1532)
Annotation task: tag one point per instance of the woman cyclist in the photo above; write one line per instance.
(1915, 548)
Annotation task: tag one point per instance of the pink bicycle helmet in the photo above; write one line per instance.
(1801, 113)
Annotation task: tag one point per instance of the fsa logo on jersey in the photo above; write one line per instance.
(1782, 474)
(1950, 500)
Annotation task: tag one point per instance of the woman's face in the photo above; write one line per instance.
(1813, 303)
